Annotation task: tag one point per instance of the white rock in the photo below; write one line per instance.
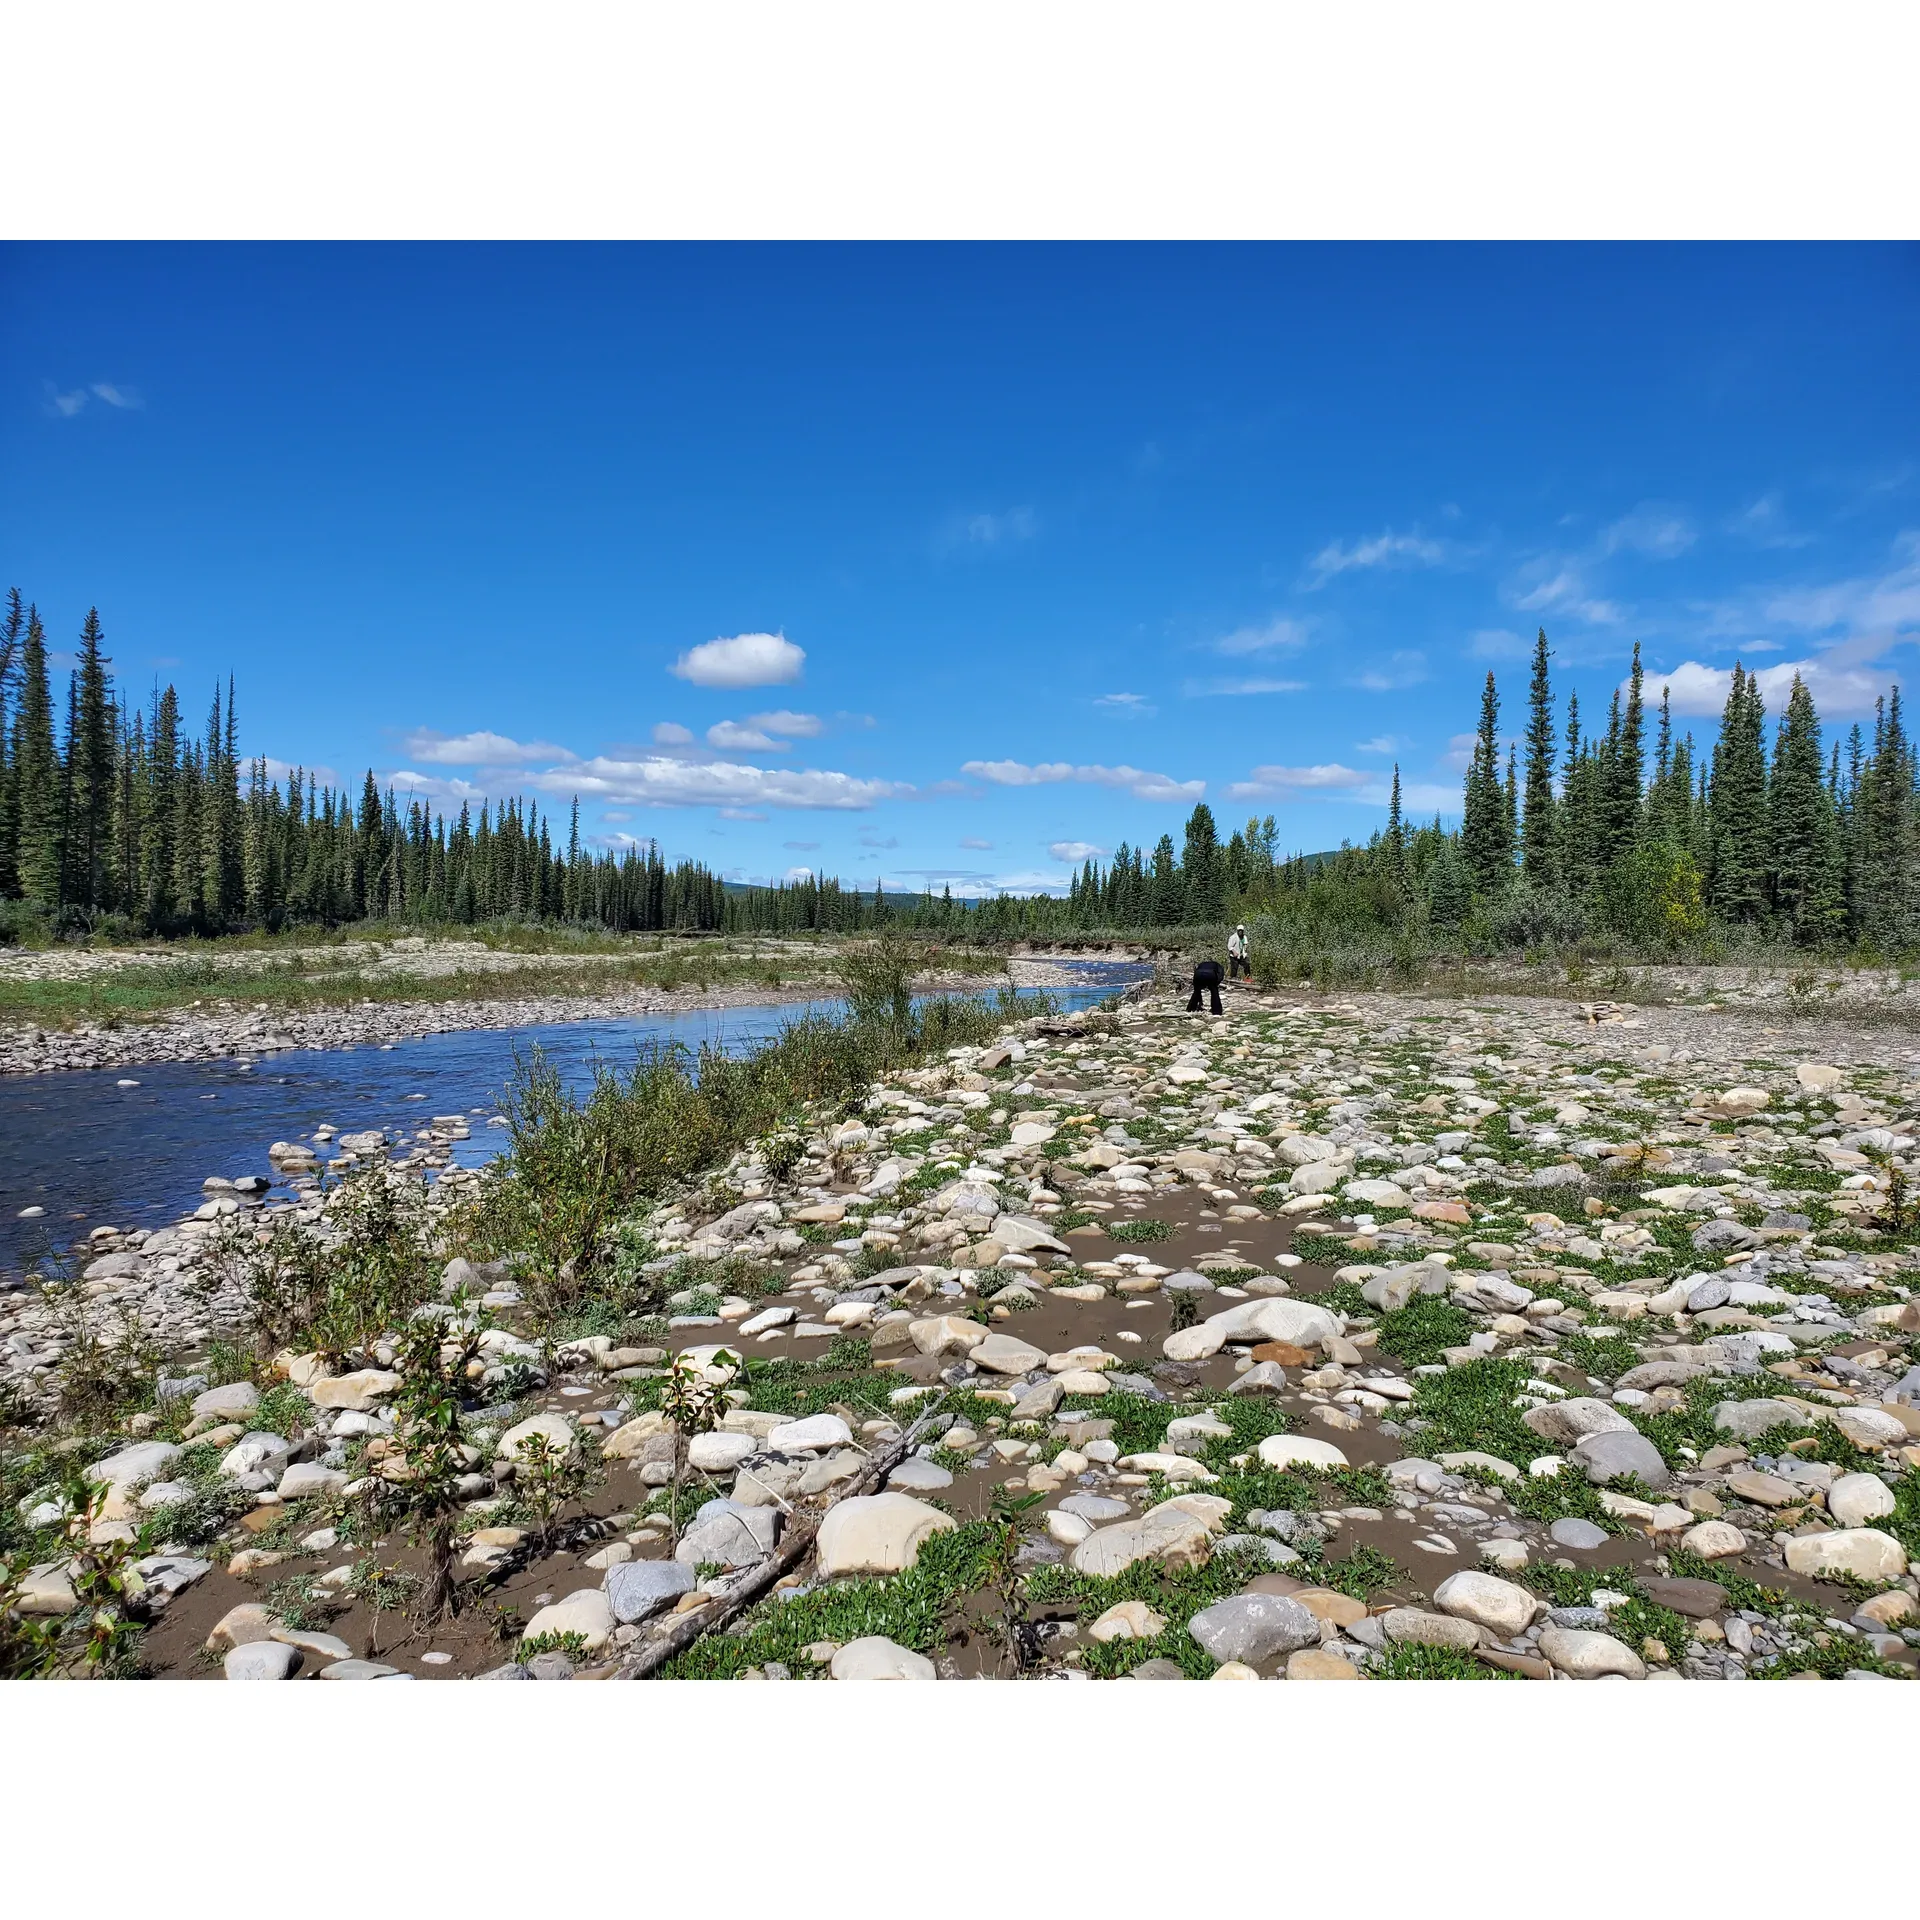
(877, 1658)
(263, 1660)
(1588, 1656)
(1864, 1552)
(586, 1613)
(145, 1460)
(1194, 1343)
(308, 1480)
(814, 1434)
(1498, 1605)
(1297, 1322)
(720, 1452)
(1714, 1540)
(553, 1427)
(1857, 1498)
(877, 1533)
(1297, 1450)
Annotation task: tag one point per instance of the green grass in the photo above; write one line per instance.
(1139, 1230)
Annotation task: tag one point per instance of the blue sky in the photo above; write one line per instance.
(1011, 553)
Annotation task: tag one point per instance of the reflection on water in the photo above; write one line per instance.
(92, 1152)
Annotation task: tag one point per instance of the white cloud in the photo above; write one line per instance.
(1032, 881)
(1277, 636)
(740, 813)
(789, 725)
(67, 404)
(660, 780)
(1389, 549)
(1142, 785)
(1837, 688)
(1872, 603)
(281, 770)
(1555, 584)
(1498, 643)
(1236, 689)
(478, 749)
(1654, 531)
(977, 846)
(1129, 706)
(1381, 743)
(991, 529)
(798, 873)
(730, 737)
(1764, 523)
(1459, 753)
(670, 733)
(1073, 852)
(1403, 669)
(1285, 782)
(431, 786)
(745, 660)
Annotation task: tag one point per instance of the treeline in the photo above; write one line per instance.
(1789, 839)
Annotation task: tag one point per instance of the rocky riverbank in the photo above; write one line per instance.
(1342, 1340)
(216, 1033)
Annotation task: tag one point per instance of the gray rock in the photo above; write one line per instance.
(728, 1535)
(1157, 1670)
(1613, 1456)
(1264, 1376)
(1749, 1419)
(1724, 1236)
(1254, 1627)
(1581, 1535)
(1709, 1294)
(549, 1666)
(919, 1476)
(638, 1589)
(375, 1670)
(1587, 1619)
(262, 1660)
(1095, 1508)
(1271, 1551)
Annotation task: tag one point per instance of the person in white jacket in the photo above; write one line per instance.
(1238, 961)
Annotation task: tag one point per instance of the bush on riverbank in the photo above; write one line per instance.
(576, 1165)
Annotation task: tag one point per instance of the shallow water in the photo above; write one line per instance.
(92, 1151)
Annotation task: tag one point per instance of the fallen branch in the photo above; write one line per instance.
(794, 1549)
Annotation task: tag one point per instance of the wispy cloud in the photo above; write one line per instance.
(281, 770)
(1127, 706)
(65, 403)
(744, 660)
(1278, 635)
(730, 737)
(1406, 668)
(1234, 688)
(1142, 785)
(478, 749)
(789, 725)
(801, 846)
(1764, 524)
(884, 843)
(1558, 584)
(407, 781)
(1073, 852)
(1288, 782)
(1654, 531)
(1382, 743)
(1387, 549)
(977, 846)
(1498, 643)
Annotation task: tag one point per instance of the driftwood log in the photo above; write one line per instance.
(793, 1550)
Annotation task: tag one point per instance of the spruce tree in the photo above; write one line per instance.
(1539, 859)
(90, 753)
(37, 776)
(1737, 889)
(1203, 869)
(1485, 844)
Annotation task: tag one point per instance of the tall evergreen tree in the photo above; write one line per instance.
(1738, 800)
(1539, 859)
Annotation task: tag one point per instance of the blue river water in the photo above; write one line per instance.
(89, 1151)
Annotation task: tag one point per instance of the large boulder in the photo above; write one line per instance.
(1864, 1552)
(1498, 1605)
(1254, 1627)
(1001, 1353)
(638, 1589)
(877, 1533)
(586, 1613)
(552, 1427)
(1299, 1323)
(145, 1460)
(1174, 1534)
(877, 1658)
(1855, 1499)
(235, 1401)
(1019, 1233)
(946, 1333)
(726, 1533)
(1194, 1343)
(1281, 1450)
(1587, 1655)
(815, 1434)
(1568, 1421)
(1606, 1457)
(1749, 1419)
(357, 1392)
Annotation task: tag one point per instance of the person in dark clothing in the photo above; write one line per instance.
(1206, 978)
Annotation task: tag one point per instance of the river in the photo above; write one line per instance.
(129, 1147)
